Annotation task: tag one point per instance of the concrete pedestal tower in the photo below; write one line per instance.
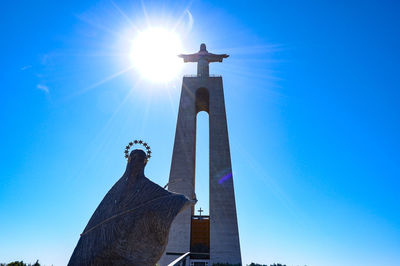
(213, 238)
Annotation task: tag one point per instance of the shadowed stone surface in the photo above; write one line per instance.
(131, 224)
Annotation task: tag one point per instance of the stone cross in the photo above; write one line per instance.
(200, 211)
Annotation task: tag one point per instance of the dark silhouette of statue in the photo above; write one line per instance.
(203, 58)
(132, 222)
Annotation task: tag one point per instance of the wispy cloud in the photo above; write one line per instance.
(190, 20)
(43, 88)
(26, 67)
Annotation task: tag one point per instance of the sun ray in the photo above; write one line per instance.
(98, 26)
(112, 76)
(260, 74)
(146, 15)
(125, 16)
(256, 49)
(102, 137)
(170, 100)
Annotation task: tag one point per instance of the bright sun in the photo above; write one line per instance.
(154, 54)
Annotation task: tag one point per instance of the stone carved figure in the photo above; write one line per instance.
(203, 58)
(132, 222)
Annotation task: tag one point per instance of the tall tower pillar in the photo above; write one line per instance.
(203, 93)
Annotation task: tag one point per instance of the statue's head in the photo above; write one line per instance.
(203, 47)
(136, 162)
(138, 156)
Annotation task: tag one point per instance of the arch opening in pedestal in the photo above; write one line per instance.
(200, 222)
(202, 157)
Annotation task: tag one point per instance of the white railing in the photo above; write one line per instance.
(199, 76)
(180, 259)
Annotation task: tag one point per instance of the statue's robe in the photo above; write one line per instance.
(131, 224)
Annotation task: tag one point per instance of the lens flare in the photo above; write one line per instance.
(154, 54)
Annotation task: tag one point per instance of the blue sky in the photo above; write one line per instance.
(311, 91)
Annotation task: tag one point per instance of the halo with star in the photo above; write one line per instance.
(140, 142)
